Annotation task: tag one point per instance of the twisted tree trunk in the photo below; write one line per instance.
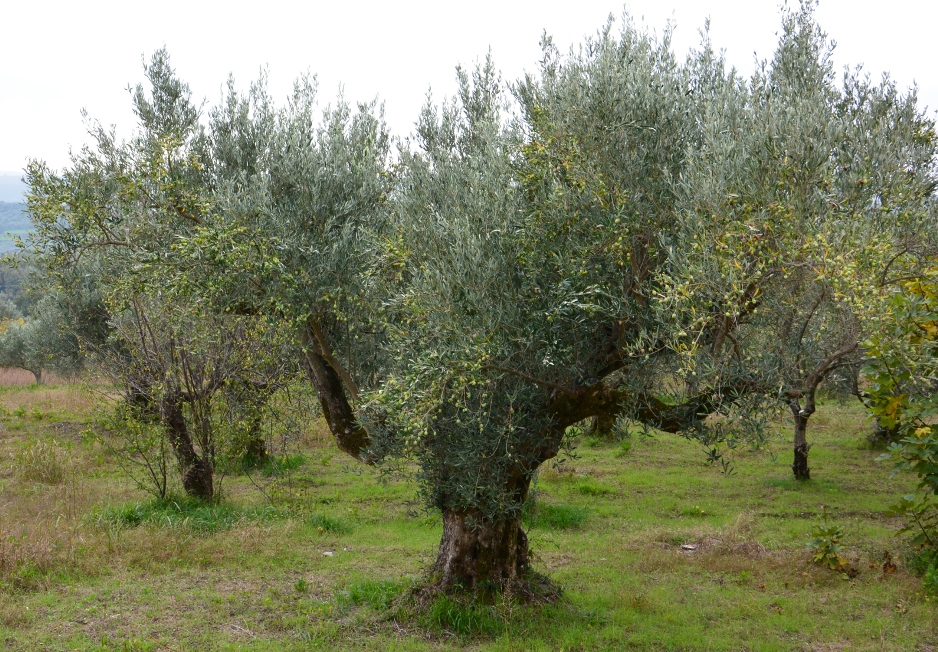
(801, 415)
(478, 554)
(339, 413)
(603, 424)
(482, 554)
(808, 390)
(196, 471)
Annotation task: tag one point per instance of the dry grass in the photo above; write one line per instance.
(42, 531)
(73, 399)
(41, 461)
(12, 613)
(71, 576)
(13, 377)
(44, 495)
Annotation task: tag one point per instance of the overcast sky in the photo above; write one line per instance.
(59, 57)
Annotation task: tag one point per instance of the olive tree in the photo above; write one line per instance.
(118, 215)
(531, 251)
(195, 375)
(44, 339)
(299, 195)
(798, 201)
(21, 346)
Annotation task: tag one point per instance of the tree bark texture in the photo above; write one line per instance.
(478, 554)
(195, 470)
(602, 425)
(349, 435)
(257, 446)
(801, 415)
(808, 392)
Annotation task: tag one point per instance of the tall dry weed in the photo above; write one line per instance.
(44, 536)
(740, 530)
(72, 399)
(42, 527)
(45, 462)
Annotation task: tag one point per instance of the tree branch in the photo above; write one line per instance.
(537, 381)
(339, 369)
(812, 381)
(811, 313)
(882, 277)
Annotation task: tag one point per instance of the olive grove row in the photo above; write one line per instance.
(622, 236)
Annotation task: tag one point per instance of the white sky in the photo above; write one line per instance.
(59, 57)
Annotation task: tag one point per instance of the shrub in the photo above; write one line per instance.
(902, 361)
(826, 547)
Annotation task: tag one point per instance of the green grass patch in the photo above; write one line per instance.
(463, 618)
(125, 645)
(588, 488)
(331, 524)
(180, 512)
(375, 594)
(554, 517)
(813, 485)
(278, 465)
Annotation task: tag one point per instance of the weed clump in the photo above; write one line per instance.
(827, 547)
(45, 462)
(592, 489)
(330, 524)
(376, 594)
(463, 618)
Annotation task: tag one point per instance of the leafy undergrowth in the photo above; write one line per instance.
(654, 548)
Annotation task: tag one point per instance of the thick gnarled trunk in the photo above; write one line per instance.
(196, 471)
(602, 425)
(478, 554)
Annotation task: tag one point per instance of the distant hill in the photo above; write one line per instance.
(14, 221)
(12, 188)
(13, 216)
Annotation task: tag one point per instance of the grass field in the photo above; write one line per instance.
(655, 550)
